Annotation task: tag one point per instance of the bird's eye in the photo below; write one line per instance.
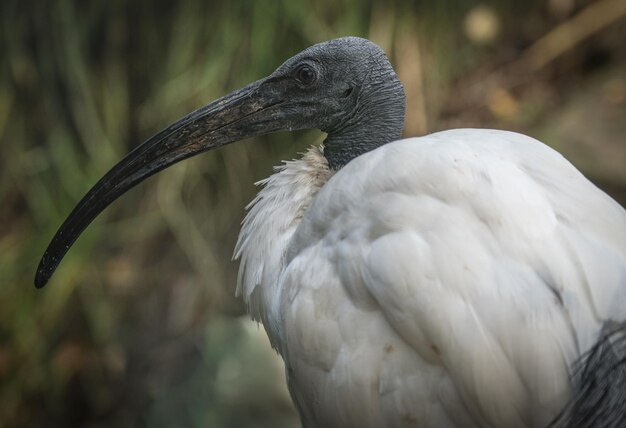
(306, 75)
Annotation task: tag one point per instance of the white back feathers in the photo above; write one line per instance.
(451, 278)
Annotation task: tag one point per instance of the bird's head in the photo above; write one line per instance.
(345, 87)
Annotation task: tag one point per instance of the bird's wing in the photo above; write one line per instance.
(487, 252)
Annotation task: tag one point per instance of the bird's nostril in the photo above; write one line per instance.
(347, 92)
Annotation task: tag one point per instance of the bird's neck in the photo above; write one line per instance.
(378, 120)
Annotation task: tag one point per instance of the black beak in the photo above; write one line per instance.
(244, 113)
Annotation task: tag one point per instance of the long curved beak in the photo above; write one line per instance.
(247, 112)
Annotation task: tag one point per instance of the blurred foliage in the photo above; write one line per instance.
(139, 326)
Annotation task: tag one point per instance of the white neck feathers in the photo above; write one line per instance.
(272, 219)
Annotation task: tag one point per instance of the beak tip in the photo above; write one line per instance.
(40, 280)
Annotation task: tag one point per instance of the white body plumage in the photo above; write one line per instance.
(447, 280)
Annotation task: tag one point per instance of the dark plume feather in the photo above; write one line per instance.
(599, 385)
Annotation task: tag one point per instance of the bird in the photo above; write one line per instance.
(466, 278)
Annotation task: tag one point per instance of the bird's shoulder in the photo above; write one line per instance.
(469, 189)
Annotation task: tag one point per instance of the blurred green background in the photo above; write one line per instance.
(139, 326)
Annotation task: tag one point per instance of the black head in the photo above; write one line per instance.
(345, 87)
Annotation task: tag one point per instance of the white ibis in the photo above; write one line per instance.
(467, 278)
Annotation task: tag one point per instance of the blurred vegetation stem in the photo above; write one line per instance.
(247, 112)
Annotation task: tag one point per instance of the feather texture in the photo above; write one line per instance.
(447, 280)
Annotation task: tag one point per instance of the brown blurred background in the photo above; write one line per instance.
(139, 326)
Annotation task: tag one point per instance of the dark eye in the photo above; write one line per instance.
(306, 75)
